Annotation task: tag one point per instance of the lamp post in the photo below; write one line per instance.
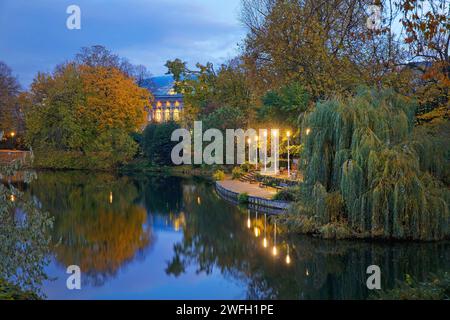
(275, 157)
(256, 153)
(249, 150)
(265, 151)
(289, 154)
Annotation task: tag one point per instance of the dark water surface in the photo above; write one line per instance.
(172, 238)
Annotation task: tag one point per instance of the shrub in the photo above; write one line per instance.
(285, 195)
(157, 144)
(237, 173)
(219, 175)
(243, 198)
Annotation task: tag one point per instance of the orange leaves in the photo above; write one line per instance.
(113, 100)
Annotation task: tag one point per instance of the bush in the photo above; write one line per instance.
(246, 167)
(219, 175)
(157, 144)
(237, 173)
(243, 198)
(285, 195)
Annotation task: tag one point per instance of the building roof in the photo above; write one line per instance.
(159, 86)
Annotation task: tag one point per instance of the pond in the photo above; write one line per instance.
(155, 237)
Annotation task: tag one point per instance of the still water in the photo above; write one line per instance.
(154, 237)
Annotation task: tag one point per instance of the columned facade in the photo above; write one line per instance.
(166, 108)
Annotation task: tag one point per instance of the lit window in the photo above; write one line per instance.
(158, 115)
(176, 114)
(159, 104)
(168, 104)
(167, 115)
(177, 104)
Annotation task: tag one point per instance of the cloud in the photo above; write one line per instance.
(34, 36)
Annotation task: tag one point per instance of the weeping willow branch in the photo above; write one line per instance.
(390, 176)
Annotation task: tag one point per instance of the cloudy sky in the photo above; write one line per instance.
(34, 36)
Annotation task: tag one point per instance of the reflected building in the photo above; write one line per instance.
(168, 104)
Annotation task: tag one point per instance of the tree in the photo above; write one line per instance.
(285, 105)
(99, 56)
(112, 100)
(206, 90)
(10, 112)
(157, 144)
(86, 111)
(388, 177)
(311, 42)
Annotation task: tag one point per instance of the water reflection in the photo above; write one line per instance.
(24, 239)
(94, 230)
(178, 239)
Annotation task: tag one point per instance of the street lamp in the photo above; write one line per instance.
(265, 151)
(256, 141)
(275, 134)
(13, 134)
(249, 150)
(289, 154)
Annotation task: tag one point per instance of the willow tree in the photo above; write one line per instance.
(367, 166)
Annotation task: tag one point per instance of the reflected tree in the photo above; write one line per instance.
(24, 239)
(98, 223)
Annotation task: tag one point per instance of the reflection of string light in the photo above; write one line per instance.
(307, 272)
(274, 250)
(308, 131)
(12, 198)
(111, 197)
(199, 201)
(249, 222)
(256, 229)
(265, 231)
(288, 258)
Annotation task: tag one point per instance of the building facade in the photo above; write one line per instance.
(166, 108)
(167, 104)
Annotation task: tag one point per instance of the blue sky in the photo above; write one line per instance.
(34, 37)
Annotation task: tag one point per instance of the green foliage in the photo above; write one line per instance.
(206, 90)
(9, 291)
(236, 173)
(437, 287)
(288, 194)
(284, 105)
(10, 114)
(24, 240)
(157, 144)
(365, 165)
(219, 175)
(243, 198)
(226, 118)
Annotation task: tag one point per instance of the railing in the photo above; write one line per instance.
(256, 203)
